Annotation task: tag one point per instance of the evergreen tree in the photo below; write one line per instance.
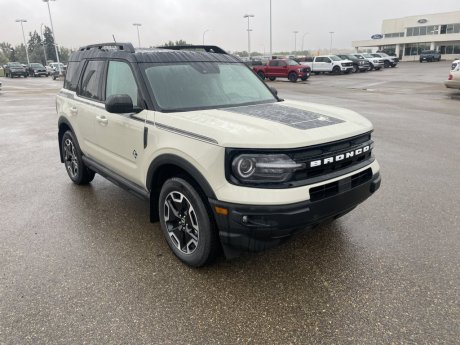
(49, 44)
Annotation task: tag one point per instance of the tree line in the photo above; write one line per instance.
(37, 47)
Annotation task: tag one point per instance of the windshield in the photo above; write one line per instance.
(368, 56)
(292, 63)
(202, 85)
(36, 65)
(351, 57)
(335, 58)
(15, 64)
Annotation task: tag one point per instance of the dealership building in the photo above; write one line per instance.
(407, 37)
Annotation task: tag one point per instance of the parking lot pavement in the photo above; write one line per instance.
(84, 265)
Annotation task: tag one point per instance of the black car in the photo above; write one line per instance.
(430, 55)
(359, 65)
(36, 70)
(15, 69)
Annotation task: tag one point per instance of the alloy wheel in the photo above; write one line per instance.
(181, 222)
(70, 158)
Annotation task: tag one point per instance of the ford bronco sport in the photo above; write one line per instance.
(224, 162)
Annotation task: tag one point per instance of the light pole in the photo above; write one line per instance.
(43, 41)
(295, 41)
(204, 33)
(249, 34)
(23, 36)
(330, 46)
(138, 35)
(271, 50)
(54, 36)
(303, 36)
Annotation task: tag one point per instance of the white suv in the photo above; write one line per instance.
(224, 162)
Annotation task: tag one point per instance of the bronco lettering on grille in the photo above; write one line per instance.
(340, 157)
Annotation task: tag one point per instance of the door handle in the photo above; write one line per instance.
(73, 111)
(102, 120)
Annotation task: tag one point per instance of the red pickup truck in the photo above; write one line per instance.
(283, 68)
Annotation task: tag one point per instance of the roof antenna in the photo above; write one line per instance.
(114, 38)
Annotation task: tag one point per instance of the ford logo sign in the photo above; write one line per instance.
(377, 37)
(422, 21)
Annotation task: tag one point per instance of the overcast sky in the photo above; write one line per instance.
(80, 22)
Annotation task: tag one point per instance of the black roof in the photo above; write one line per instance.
(127, 52)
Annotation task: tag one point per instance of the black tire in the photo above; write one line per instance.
(261, 75)
(378, 68)
(187, 223)
(78, 172)
(421, 60)
(272, 78)
(293, 77)
(371, 66)
(316, 73)
(336, 70)
(347, 71)
(304, 78)
(355, 69)
(54, 77)
(386, 64)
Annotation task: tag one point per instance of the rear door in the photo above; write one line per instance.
(88, 103)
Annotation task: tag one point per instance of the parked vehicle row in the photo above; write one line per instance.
(328, 63)
(16, 69)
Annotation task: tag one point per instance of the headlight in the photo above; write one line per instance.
(263, 168)
(299, 70)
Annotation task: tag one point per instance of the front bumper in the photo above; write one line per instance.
(256, 228)
(18, 73)
(346, 68)
(39, 73)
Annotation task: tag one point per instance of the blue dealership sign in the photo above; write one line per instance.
(377, 37)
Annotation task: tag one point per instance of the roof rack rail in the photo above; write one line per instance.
(128, 47)
(206, 48)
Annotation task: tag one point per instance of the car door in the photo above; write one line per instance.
(282, 68)
(120, 137)
(88, 102)
(271, 67)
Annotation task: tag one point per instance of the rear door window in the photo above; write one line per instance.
(91, 81)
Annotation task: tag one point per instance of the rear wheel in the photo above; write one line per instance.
(71, 154)
(261, 75)
(186, 223)
(272, 78)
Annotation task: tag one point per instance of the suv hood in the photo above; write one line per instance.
(285, 124)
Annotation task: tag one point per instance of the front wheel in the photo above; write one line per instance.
(71, 154)
(304, 78)
(355, 69)
(386, 64)
(336, 70)
(186, 223)
(293, 77)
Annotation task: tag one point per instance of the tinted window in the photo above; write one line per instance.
(282, 63)
(71, 77)
(91, 80)
(120, 80)
(273, 63)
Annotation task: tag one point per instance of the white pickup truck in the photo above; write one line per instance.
(328, 63)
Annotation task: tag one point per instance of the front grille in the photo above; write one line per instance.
(332, 157)
(347, 64)
(330, 189)
(305, 70)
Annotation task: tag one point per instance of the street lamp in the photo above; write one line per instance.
(22, 21)
(249, 34)
(204, 33)
(43, 41)
(295, 40)
(303, 36)
(271, 51)
(138, 35)
(330, 46)
(54, 36)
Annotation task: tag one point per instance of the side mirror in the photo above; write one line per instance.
(119, 104)
(274, 91)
